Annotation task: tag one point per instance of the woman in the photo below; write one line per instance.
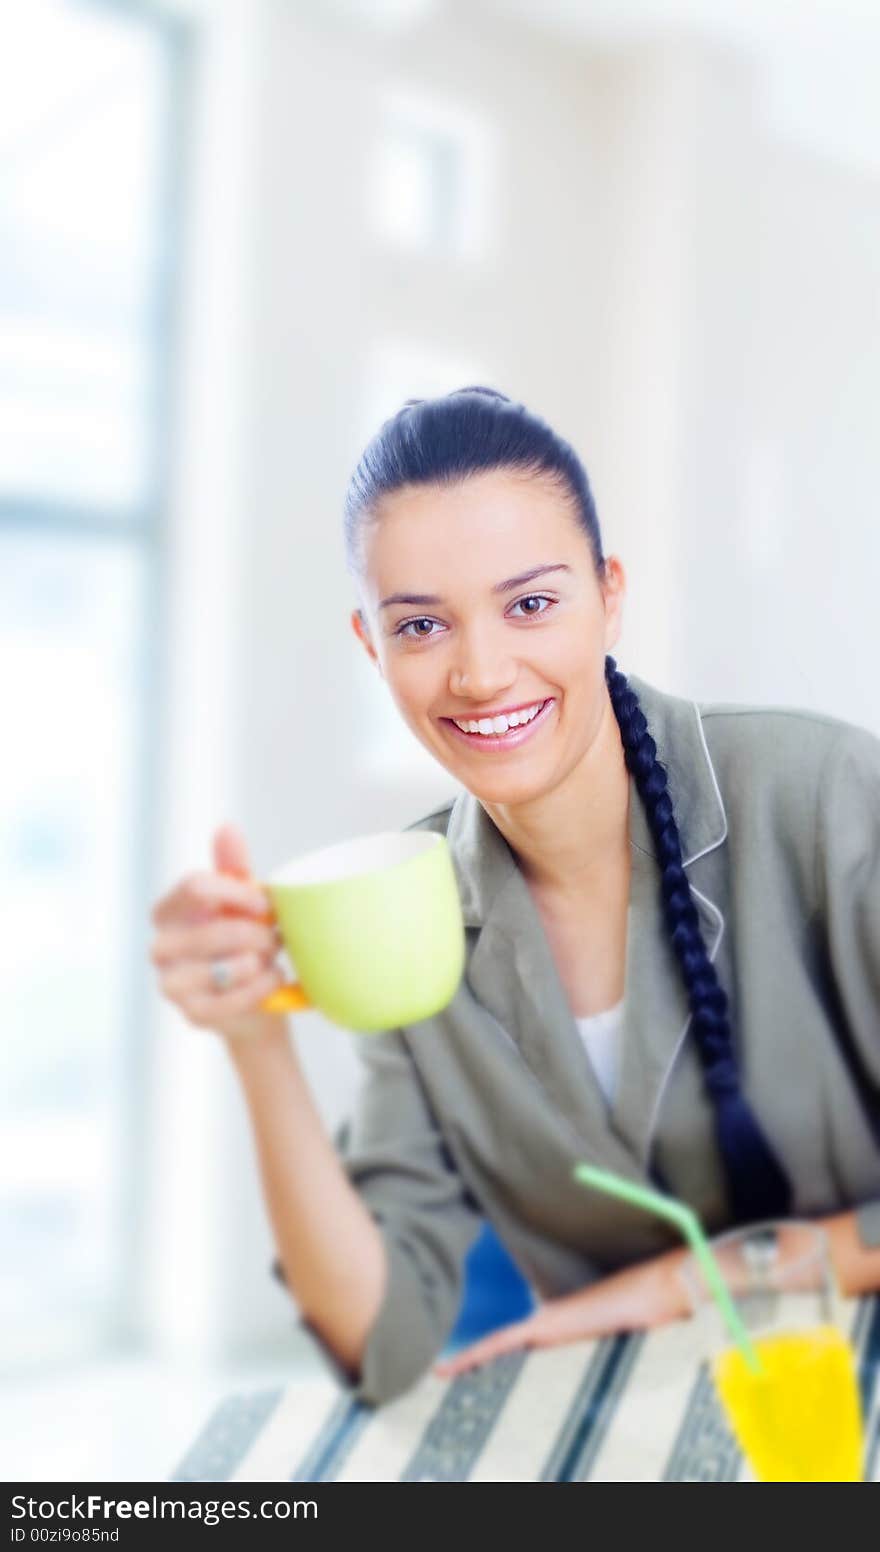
(673, 937)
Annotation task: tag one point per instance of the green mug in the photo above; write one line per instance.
(374, 929)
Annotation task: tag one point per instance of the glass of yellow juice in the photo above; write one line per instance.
(798, 1419)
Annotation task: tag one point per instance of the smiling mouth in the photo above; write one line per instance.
(493, 742)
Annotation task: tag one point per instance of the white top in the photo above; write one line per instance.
(601, 1036)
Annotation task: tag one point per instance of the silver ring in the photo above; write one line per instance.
(221, 974)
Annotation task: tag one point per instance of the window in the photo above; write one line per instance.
(431, 183)
(86, 92)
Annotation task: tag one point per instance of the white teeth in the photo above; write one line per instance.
(497, 725)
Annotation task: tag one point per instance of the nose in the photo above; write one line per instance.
(481, 672)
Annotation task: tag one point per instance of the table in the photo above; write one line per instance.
(631, 1408)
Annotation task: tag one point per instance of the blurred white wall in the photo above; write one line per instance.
(685, 291)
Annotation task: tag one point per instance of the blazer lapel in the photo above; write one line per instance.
(656, 1012)
(512, 973)
(656, 1019)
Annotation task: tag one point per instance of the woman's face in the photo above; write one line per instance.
(456, 637)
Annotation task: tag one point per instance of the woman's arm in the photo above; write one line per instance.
(329, 1245)
(857, 1266)
(372, 1229)
(650, 1294)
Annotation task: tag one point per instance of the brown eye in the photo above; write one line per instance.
(534, 598)
(404, 629)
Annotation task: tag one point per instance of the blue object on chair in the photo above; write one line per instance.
(495, 1292)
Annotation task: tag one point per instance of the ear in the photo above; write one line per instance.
(361, 630)
(613, 585)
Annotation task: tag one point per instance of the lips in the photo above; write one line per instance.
(494, 742)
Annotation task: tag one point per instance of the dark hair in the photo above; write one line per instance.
(444, 440)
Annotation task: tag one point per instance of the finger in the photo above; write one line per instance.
(193, 978)
(230, 851)
(471, 1357)
(220, 937)
(210, 1008)
(507, 1340)
(213, 890)
(462, 1363)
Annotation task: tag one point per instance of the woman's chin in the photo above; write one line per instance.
(507, 788)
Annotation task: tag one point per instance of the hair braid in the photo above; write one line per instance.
(758, 1185)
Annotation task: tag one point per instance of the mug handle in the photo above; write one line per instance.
(291, 996)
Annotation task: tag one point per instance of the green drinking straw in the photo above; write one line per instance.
(685, 1220)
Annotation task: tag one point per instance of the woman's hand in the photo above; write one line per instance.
(649, 1294)
(225, 915)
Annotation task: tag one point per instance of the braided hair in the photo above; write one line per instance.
(476, 429)
(758, 1185)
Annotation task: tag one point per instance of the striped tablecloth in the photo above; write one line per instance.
(637, 1408)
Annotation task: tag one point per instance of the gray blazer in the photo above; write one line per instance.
(482, 1110)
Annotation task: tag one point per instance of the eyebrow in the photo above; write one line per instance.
(498, 587)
